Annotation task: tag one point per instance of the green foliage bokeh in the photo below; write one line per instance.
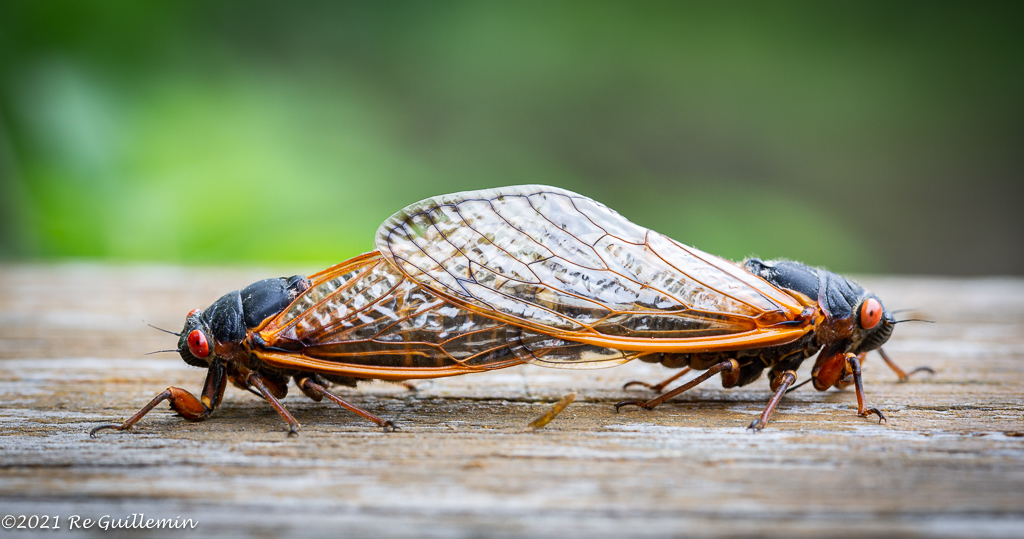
(846, 134)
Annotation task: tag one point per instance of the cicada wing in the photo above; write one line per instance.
(547, 351)
(364, 318)
(562, 264)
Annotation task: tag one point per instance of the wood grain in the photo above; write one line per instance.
(950, 461)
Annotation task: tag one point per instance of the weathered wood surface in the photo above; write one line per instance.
(950, 461)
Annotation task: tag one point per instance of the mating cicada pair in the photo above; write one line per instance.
(483, 280)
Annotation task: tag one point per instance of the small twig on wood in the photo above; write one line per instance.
(543, 420)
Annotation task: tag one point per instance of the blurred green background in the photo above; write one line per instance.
(862, 136)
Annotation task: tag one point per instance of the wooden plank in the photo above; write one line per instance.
(950, 461)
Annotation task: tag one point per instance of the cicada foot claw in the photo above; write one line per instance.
(900, 373)
(876, 411)
(661, 385)
(637, 403)
(112, 426)
(390, 426)
(907, 376)
(756, 425)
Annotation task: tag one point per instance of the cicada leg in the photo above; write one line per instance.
(798, 386)
(727, 366)
(780, 384)
(661, 385)
(847, 379)
(317, 392)
(903, 375)
(253, 379)
(839, 369)
(858, 383)
(830, 368)
(182, 401)
(238, 380)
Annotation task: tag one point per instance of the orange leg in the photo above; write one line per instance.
(182, 401)
(277, 388)
(727, 366)
(780, 384)
(847, 379)
(661, 385)
(253, 379)
(840, 369)
(829, 369)
(903, 375)
(859, 386)
(317, 392)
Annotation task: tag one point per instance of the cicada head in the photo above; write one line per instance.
(854, 316)
(218, 331)
(873, 327)
(196, 344)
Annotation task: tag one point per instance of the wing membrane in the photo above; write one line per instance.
(559, 263)
(365, 318)
(548, 351)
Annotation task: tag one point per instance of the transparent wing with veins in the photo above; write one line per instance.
(365, 316)
(559, 263)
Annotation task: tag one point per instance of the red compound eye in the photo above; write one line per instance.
(870, 313)
(197, 344)
(192, 312)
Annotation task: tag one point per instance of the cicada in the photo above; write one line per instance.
(557, 263)
(484, 280)
(359, 320)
